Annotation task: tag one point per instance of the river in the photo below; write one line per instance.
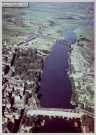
(55, 86)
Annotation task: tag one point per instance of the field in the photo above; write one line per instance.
(44, 19)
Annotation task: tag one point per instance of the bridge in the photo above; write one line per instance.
(73, 115)
(64, 42)
(57, 112)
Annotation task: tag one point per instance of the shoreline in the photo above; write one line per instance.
(77, 74)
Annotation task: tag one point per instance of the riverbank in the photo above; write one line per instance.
(81, 73)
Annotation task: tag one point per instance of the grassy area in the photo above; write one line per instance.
(31, 100)
(63, 14)
(88, 32)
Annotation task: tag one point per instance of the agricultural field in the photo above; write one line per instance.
(42, 19)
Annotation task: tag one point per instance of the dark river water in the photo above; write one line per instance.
(58, 125)
(55, 86)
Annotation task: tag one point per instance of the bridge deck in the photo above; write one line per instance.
(54, 113)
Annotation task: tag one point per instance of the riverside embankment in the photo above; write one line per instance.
(81, 71)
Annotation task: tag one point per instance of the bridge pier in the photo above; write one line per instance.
(50, 117)
(54, 116)
(67, 118)
(74, 118)
(59, 116)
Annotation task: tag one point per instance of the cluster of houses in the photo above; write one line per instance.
(41, 23)
(21, 73)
